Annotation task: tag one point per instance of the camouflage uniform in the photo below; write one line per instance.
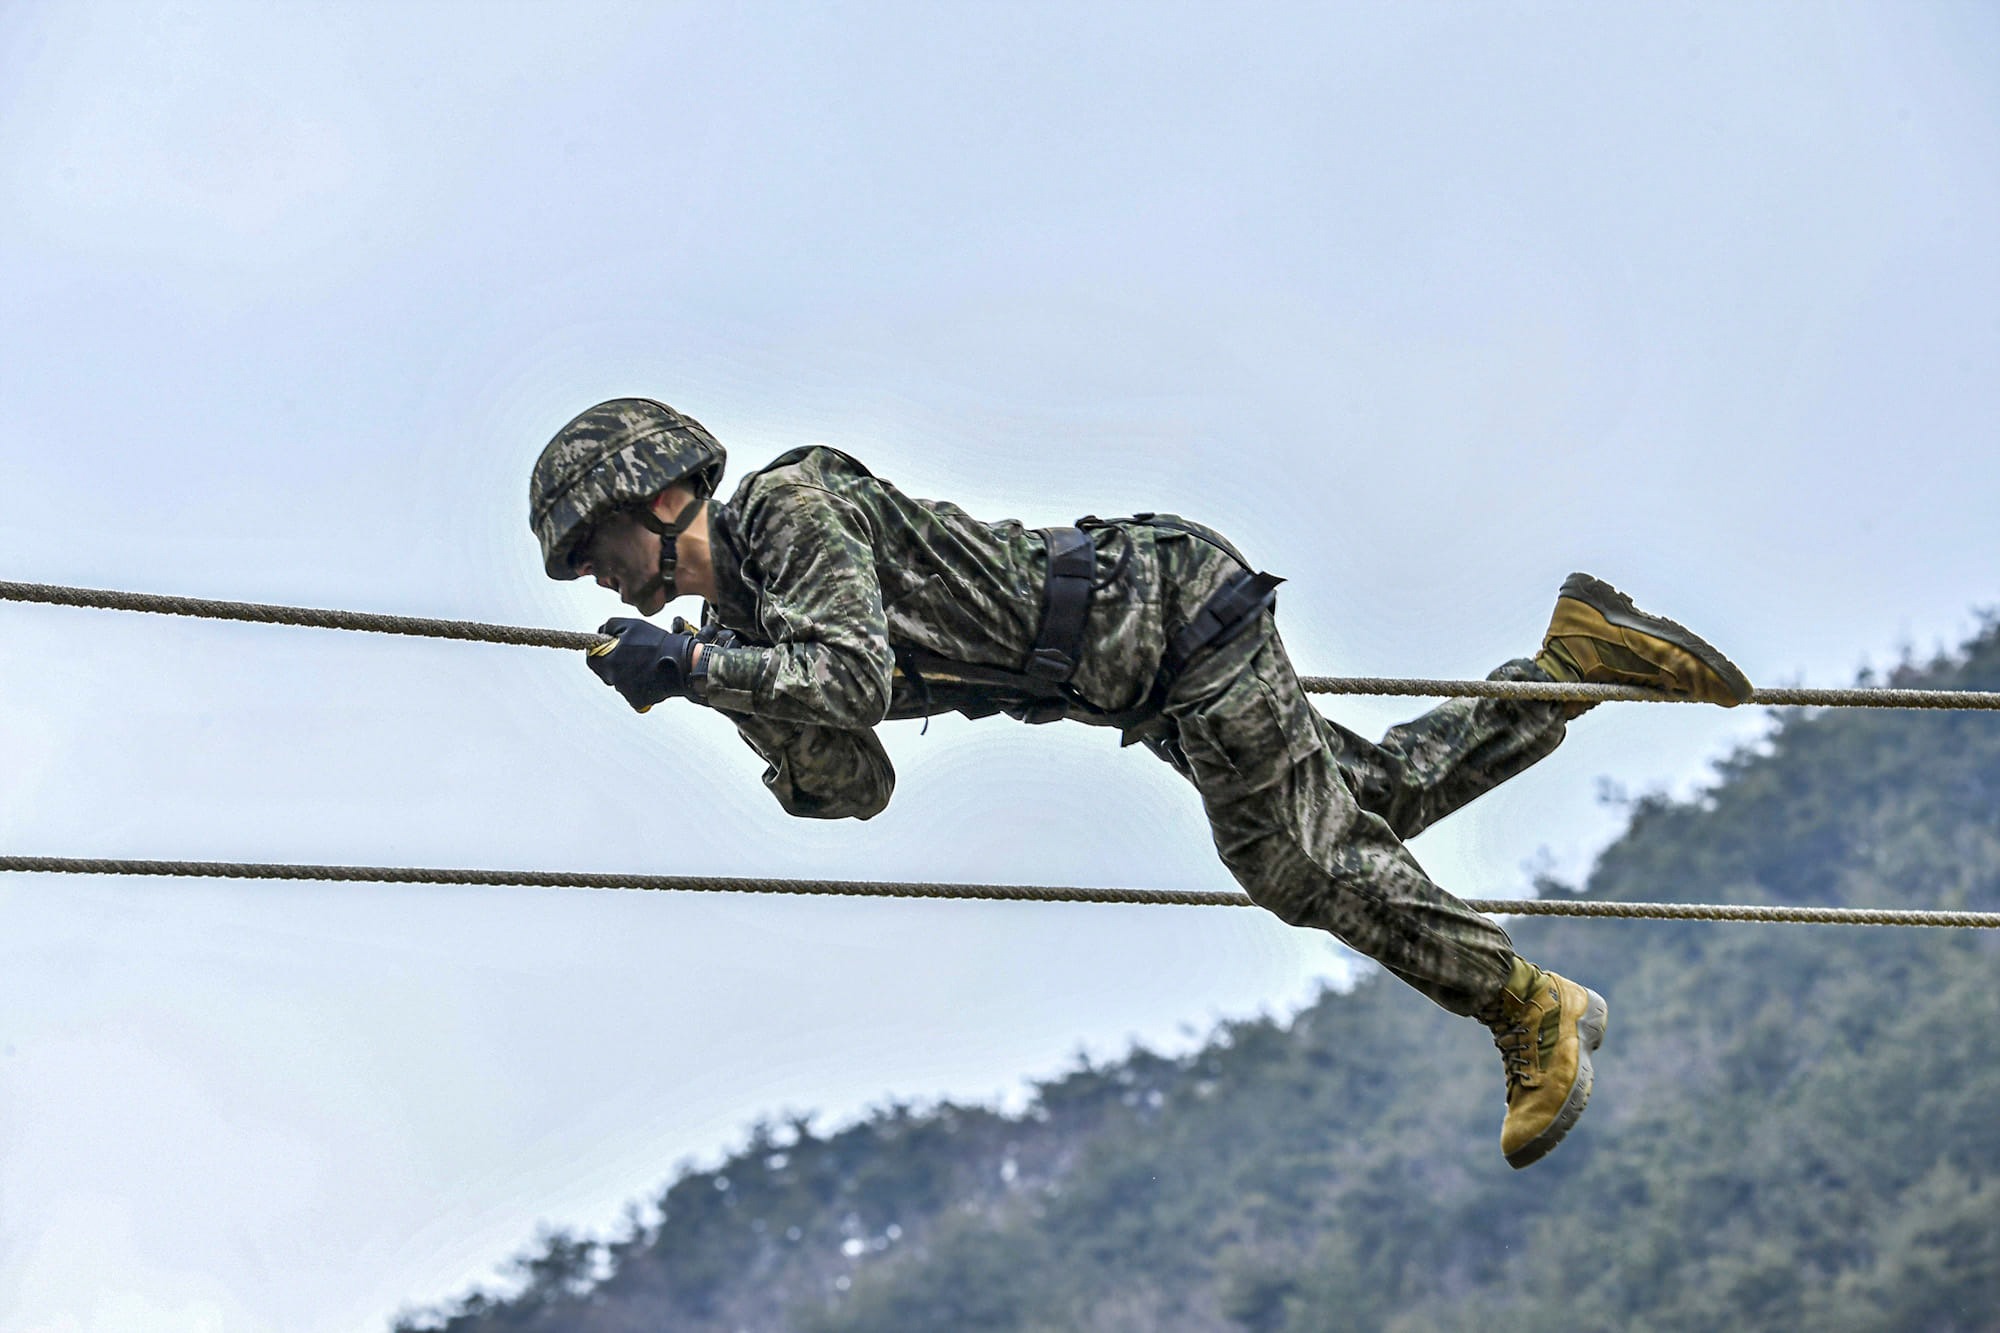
(827, 574)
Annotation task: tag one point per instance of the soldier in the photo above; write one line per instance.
(834, 602)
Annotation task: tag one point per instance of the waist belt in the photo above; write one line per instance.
(1043, 681)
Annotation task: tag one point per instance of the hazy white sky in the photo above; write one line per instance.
(1425, 304)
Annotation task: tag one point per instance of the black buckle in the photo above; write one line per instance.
(1051, 665)
(1035, 712)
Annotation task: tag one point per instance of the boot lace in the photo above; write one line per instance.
(1520, 1052)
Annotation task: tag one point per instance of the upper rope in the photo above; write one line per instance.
(478, 632)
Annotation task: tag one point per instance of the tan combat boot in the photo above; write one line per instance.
(1546, 1027)
(1597, 635)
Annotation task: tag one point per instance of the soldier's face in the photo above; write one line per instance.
(624, 556)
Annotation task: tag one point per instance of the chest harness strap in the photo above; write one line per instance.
(1065, 605)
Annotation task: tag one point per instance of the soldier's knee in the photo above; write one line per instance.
(1276, 872)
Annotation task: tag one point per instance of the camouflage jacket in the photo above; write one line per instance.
(828, 574)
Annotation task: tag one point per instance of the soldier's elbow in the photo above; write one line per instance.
(842, 805)
(863, 704)
(874, 802)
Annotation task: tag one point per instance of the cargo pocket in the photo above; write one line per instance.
(1248, 736)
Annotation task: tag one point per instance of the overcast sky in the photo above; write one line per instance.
(1426, 305)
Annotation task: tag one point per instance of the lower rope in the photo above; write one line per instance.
(850, 888)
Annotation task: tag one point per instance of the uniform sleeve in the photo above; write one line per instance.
(820, 606)
(821, 772)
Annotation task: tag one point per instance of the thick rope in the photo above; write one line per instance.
(848, 888)
(1582, 693)
(311, 618)
(480, 632)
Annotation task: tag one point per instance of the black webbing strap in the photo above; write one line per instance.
(1229, 610)
(1065, 605)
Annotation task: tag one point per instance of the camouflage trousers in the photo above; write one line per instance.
(1311, 818)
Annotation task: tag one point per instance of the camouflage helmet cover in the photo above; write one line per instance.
(619, 453)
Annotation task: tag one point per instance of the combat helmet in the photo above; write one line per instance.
(617, 455)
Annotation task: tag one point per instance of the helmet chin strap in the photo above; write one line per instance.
(669, 535)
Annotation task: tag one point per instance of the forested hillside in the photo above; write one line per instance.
(1795, 1127)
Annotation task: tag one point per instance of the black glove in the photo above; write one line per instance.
(647, 663)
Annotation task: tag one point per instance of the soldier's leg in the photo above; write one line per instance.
(1426, 768)
(1294, 835)
(1297, 840)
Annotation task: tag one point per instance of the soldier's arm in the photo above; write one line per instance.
(820, 606)
(821, 772)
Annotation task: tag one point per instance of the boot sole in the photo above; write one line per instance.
(1617, 609)
(1589, 1036)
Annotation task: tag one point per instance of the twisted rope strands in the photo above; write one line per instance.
(847, 888)
(1583, 693)
(479, 632)
(564, 879)
(1801, 916)
(260, 613)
